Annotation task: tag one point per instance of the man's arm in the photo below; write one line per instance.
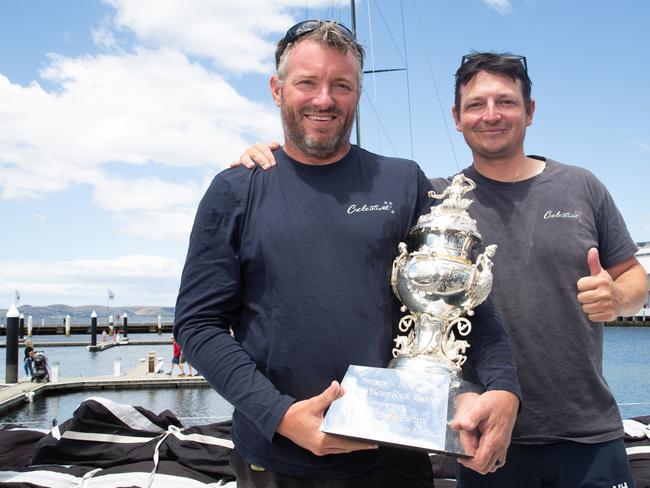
(208, 304)
(486, 421)
(621, 289)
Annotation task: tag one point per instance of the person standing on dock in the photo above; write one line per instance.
(303, 284)
(186, 363)
(565, 265)
(177, 358)
(28, 361)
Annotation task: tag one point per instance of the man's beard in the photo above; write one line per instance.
(320, 147)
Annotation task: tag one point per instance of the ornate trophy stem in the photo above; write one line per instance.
(432, 340)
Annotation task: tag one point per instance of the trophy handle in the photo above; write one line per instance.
(479, 283)
(404, 343)
(454, 349)
(398, 263)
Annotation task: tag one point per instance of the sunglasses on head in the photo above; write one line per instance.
(510, 57)
(306, 26)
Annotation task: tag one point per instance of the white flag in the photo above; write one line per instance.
(111, 295)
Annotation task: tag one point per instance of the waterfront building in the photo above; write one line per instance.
(643, 255)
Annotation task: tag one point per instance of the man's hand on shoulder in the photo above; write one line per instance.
(301, 424)
(259, 154)
(485, 423)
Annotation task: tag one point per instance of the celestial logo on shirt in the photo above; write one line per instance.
(371, 207)
(562, 214)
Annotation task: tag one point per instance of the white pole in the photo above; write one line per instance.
(117, 367)
(29, 326)
(55, 372)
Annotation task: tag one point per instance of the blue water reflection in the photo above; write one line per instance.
(193, 405)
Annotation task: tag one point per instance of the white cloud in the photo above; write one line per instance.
(149, 105)
(235, 35)
(151, 208)
(644, 146)
(502, 7)
(104, 37)
(158, 225)
(152, 279)
(146, 194)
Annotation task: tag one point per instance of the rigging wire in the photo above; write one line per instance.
(408, 84)
(379, 122)
(404, 60)
(357, 112)
(383, 19)
(435, 85)
(374, 78)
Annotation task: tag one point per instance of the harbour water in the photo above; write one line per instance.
(625, 366)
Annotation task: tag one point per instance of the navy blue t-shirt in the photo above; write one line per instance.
(296, 261)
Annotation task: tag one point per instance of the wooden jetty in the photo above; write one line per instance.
(16, 395)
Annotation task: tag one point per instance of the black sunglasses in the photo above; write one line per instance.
(304, 27)
(510, 57)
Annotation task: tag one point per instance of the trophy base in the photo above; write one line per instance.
(398, 407)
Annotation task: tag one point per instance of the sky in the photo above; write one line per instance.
(115, 115)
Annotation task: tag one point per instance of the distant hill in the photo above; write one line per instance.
(56, 312)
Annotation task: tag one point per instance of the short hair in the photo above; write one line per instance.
(326, 33)
(508, 64)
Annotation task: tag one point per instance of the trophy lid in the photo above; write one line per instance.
(438, 222)
(451, 213)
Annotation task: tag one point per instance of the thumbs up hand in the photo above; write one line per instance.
(597, 293)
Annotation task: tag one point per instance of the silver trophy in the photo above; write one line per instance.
(412, 401)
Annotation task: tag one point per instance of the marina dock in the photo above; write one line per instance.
(16, 395)
(76, 329)
(100, 345)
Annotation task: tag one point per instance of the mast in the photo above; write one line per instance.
(357, 116)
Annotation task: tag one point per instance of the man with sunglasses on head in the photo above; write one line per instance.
(296, 262)
(565, 265)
